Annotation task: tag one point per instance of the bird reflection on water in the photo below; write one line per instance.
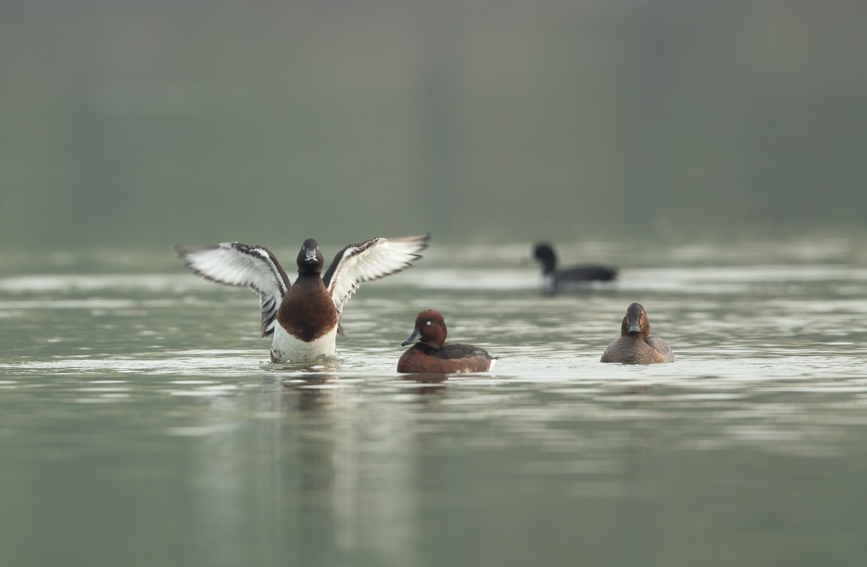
(336, 461)
(427, 383)
(313, 392)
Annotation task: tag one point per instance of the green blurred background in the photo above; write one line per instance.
(149, 123)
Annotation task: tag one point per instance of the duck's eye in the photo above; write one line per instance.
(428, 323)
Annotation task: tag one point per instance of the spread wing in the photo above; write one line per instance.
(236, 264)
(368, 261)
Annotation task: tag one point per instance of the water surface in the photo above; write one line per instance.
(142, 424)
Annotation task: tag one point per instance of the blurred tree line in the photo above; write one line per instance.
(149, 123)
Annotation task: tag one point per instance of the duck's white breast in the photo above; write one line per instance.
(549, 284)
(286, 348)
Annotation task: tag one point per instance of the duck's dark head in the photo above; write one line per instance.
(545, 254)
(310, 259)
(430, 330)
(636, 323)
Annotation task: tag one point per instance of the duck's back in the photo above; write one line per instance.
(452, 357)
(586, 273)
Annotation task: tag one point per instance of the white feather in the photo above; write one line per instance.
(371, 260)
(236, 264)
(286, 348)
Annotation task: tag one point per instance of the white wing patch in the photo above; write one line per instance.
(236, 264)
(368, 261)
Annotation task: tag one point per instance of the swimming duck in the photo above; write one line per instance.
(553, 279)
(635, 345)
(304, 317)
(431, 354)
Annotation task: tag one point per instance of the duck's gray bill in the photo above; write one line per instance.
(413, 338)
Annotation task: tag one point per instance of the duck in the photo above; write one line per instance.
(636, 345)
(303, 318)
(431, 354)
(553, 279)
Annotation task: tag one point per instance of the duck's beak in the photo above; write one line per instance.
(634, 328)
(413, 338)
(310, 255)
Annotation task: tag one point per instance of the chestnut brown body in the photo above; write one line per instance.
(307, 311)
(431, 354)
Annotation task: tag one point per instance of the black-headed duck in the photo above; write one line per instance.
(553, 279)
(431, 354)
(635, 345)
(304, 317)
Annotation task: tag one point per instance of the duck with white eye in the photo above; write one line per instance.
(304, 317)
(635, 345)
(431, 354)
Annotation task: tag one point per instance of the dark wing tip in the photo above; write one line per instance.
(425, 239)
(422, 240)
(184, 251)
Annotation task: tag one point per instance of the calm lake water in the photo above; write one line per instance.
(142, 424)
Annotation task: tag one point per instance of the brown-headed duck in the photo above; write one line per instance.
(431, 354)
(553, 279)
(635, 345)
(304, 317)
